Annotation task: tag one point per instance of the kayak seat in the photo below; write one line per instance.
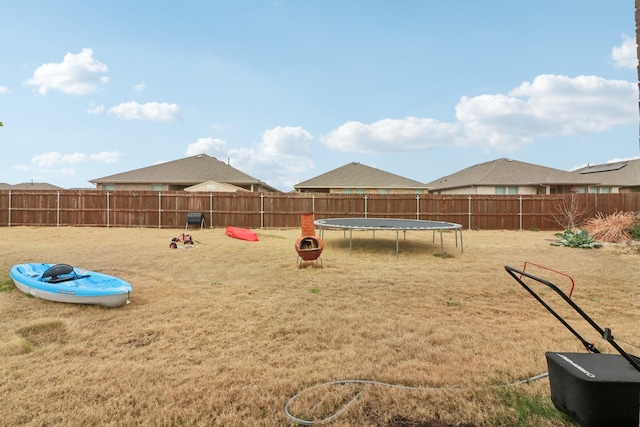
(54, 271)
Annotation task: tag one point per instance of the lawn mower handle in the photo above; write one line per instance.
(604, 333)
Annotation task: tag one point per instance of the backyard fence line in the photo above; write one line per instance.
(282, 210)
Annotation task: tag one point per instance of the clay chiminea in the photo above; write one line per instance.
(308, 245)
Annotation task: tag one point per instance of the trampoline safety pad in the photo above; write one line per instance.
(389, 224)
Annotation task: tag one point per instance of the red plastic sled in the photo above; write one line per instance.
(241, 233)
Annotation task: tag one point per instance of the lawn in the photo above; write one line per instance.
(225, 333)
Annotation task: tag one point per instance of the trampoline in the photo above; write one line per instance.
(389, 224)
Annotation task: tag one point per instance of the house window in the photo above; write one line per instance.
(506, 190)
(360, 191)
(383, 191)
(156, 187)
(346, 191)
(109, 187)
(601, 190)
(580, 190)
(418, 192)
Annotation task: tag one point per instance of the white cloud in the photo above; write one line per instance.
(213, 146)
(74, 158)
(549, 106)
(140, 86)
(284, 141)
(47, 160)
(78, 74)
(51, 159)
(284, 149)
(388, 135)
(623, 159)
(153, 111)
(106, 156)
(95, 109)
(3, 90)
(625, 55)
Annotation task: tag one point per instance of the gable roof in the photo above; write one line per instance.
(187, 171)
(624, 173)
(357, 175)
(215, 186)
(507, 172)
(30, 186)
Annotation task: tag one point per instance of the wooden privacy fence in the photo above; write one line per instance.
(282, 210)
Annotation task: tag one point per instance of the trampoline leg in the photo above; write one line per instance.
(397, 245)
(441, 244)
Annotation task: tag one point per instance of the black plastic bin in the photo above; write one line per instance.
(195, 218)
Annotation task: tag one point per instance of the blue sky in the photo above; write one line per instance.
(287, 90)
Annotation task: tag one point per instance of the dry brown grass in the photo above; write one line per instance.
(225, 333)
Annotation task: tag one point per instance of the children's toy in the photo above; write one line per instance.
(185, 239)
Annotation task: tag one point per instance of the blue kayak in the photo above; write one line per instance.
(64, 283)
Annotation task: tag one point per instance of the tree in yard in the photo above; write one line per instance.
(570, 210)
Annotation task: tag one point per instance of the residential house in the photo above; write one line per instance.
(615, 177)
(181, 174)
(30, 186)
(506, 176)
(356, 178)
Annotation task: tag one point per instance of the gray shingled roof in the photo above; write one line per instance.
(30, 186)
(357, 175)
(188, 171)
(507, 172)
(620, 174)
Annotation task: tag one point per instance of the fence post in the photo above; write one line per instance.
(159, 209)
(520, 209)
(417, 206)
(108, 211)
(469, 211)
(211, 211)
(366, 208)
(58, 210)
(9, 225)
(261, 210)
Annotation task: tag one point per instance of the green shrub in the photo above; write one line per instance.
(634, 230)
(576, 239)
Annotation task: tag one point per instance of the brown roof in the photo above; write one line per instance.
(620, 174)
(357, 175)
(507, 172)
(30, 186)
(188, 171)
